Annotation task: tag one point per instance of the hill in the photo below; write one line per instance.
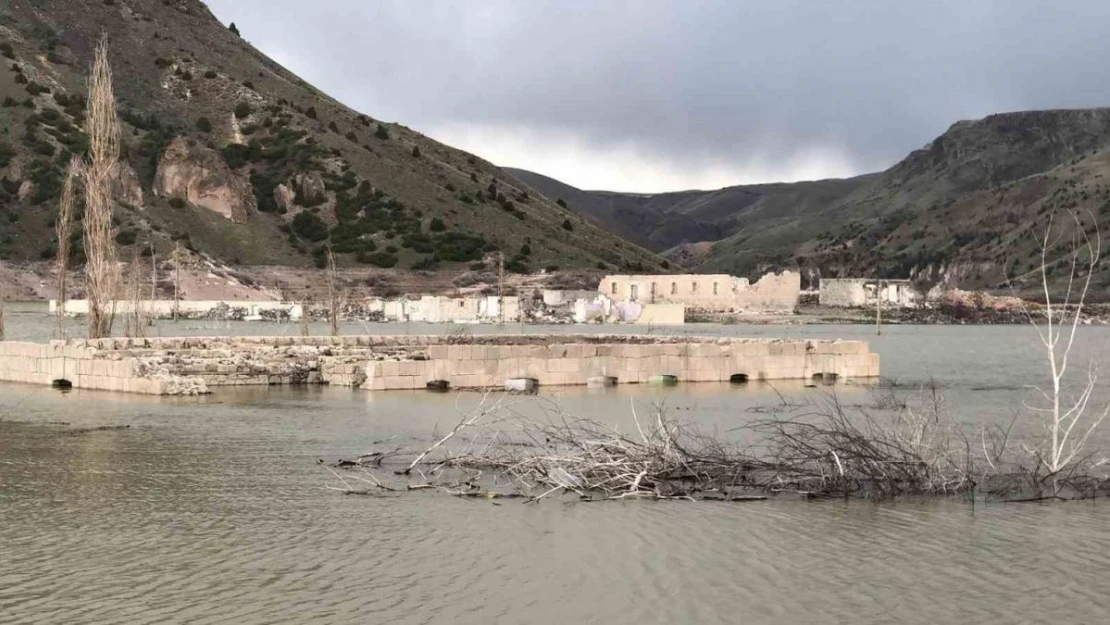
(967, 208)
(236, 157)
(661, 221)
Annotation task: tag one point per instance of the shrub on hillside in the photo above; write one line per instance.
(243, 109)
(310, 227)
(204, 124)
(379, 259)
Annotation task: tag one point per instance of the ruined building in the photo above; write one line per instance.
(858, 292)
(709, 292)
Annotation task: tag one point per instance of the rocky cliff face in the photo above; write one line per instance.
(126, 186)
(200, 176)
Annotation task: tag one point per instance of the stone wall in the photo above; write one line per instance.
(91, 368)
(186, 366)
(573, 361)
(711, 292)
(859, 292)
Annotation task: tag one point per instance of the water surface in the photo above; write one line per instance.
(212, 510)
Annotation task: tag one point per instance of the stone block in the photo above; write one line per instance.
(556, 351)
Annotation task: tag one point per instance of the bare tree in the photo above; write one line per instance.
(102, 127)
(135, 319)
(1067, 421)
(63, 228)
(177, 253)
(333, 302)
(305, 302)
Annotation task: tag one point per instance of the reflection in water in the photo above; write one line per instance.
(212, 510)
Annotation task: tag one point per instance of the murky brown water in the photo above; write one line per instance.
(212, 510)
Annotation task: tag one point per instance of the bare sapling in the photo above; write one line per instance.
(305, 304)
(177, 254)
(333, 296)
(1066, 415)
(102, 127)
(63, 228)
(135, 320)
(1, 310)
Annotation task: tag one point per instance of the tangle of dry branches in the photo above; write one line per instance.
(823, 449)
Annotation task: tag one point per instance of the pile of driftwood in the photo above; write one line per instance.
(891, 447)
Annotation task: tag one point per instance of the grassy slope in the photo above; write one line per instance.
(175, 62)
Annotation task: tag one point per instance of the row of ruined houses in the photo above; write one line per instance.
(661, 299)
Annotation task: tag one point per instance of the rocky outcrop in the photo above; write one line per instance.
(310, 189)
(126, 187)
(284, 197)
(200, 176)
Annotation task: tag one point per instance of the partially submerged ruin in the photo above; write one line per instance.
(189, 366)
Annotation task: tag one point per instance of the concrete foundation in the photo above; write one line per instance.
(186, 366)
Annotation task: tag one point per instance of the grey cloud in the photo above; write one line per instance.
(708, 80)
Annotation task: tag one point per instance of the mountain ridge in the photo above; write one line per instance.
(927, 216)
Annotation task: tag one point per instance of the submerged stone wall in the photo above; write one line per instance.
(186, 366)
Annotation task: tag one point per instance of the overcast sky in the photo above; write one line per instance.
(645, 95)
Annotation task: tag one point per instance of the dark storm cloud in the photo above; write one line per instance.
(647, 95)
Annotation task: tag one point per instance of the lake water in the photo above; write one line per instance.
(213, 510)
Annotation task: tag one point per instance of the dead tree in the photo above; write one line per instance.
(305, 302)
(1066, 417)
(135, 320)
(177, 253)
(333, 301)
(102, 127)
(63, 228)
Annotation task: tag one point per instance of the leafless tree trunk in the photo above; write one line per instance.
(135, 320)
(304, 313)
(102, 127)
(879, 308)
(1067, 422)
(333, 303)
(63, 228)
(176, 279)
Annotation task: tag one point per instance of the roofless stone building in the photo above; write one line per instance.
(774, 292)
